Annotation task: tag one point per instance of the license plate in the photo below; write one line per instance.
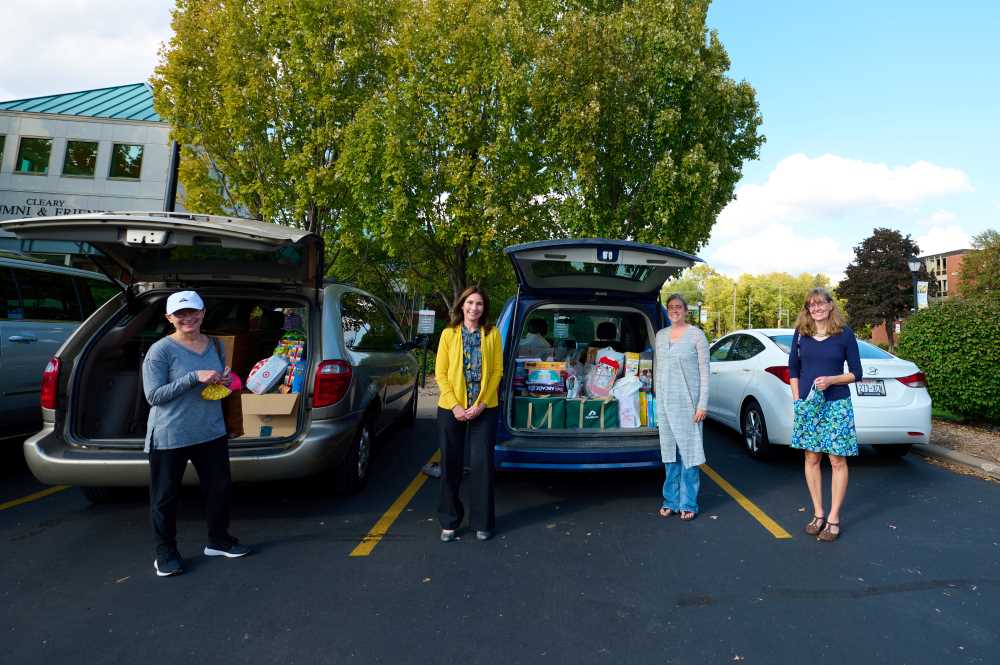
(870, 388)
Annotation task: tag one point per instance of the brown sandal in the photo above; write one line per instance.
(828, 536)
(816, 525)
(666, 512)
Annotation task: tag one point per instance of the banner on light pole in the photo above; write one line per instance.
(922, 295)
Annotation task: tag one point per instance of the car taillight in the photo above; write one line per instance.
(50, 383)
(918, 380)
(333, 378)
(780, 371)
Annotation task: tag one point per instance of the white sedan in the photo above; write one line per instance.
(750, 392)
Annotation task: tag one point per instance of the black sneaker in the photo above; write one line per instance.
(168, 565)
(233, 551)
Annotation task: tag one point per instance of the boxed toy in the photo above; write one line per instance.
(267, 374)
(545, 378)
(632, 363)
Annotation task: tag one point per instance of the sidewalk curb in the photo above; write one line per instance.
(930, 450)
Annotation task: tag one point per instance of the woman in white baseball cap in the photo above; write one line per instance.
(183, 426)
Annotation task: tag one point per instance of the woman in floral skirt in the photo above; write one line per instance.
(824, 417)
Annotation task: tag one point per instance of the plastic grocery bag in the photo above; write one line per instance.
(602, 377)
(807, 414)
(626, 391)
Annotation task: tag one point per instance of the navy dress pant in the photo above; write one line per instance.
(481, 434)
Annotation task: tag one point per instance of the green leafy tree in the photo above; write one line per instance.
(444, 160)
(980, 274)
(645, 135)
(263, 90)
(771, 300)
(878, 286)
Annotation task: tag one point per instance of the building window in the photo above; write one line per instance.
(126, 161)
(81, 159)
(944, 287)
(3, 140)
(33, 156)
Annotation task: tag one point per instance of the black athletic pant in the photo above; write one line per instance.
(166, 469)
(481, 434)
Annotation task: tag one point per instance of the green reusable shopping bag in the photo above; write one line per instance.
(592, 413)
(539, 413)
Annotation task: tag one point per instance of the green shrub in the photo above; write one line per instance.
(957, 344)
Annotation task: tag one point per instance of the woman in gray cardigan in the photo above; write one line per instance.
(681, 381)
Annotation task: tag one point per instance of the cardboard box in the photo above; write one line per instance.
(632, 362)
(539, 413)
(592, 413)
(238, 351)
(270, 415)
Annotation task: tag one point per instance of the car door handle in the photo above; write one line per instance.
(715, 371)
(22, 339)
(746, 370)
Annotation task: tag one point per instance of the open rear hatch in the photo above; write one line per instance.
(176, 248)
(575, 298)
(254, 277)
(550, 268)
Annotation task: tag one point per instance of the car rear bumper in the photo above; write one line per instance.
(511, 457)
(323, 446)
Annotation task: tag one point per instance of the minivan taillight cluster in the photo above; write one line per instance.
(333, 378)
(50, 383)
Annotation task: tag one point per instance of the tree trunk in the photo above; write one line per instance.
(459, 270)
(890, 334)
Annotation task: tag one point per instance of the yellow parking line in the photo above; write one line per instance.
(381, 527)
(33, 497)
(747, 504)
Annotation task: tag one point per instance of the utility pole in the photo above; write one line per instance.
(734, 307)
(749, 300)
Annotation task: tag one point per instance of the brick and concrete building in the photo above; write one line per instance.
(94, 150)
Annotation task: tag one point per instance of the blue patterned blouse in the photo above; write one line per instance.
(472, 360)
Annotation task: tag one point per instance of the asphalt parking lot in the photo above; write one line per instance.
(581, 570)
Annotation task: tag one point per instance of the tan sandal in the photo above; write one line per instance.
(828, 536)
(816, 525)
(688, 515)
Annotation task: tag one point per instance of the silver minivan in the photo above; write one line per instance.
(360, 375)
(40, 305)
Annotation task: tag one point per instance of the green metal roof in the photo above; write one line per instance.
(123, 102)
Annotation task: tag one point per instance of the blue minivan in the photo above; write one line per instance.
(574, 295)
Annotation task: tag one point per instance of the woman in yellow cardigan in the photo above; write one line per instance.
(468, 370)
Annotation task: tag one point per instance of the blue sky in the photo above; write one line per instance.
(879, 113)
(876, 114)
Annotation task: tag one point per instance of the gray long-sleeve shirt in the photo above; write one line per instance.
(178, 416)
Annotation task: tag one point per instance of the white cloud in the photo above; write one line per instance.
(779, 248)
(939, 217)
(811, 212)
(55, 46)
(943, 239)
(802, 189)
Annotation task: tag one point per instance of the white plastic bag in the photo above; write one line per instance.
(626, 391)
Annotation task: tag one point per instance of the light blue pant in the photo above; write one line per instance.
(680, 489)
